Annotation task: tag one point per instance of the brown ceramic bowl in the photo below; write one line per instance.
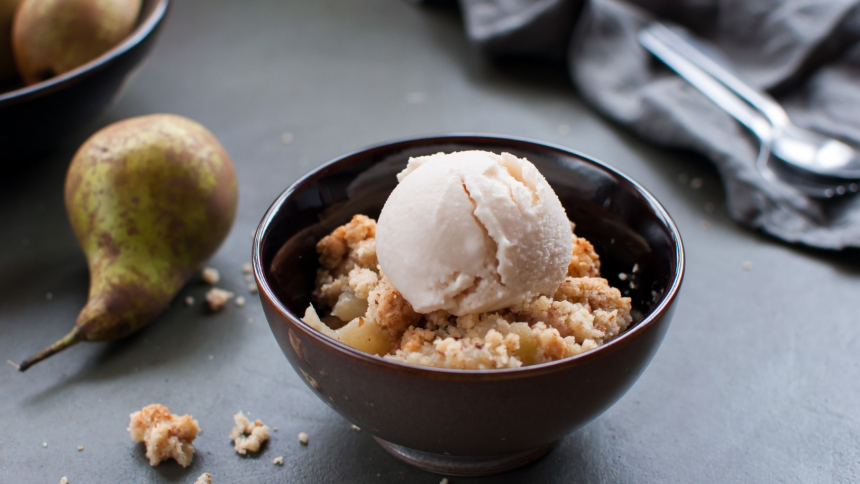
(469, 422)
(34, 119)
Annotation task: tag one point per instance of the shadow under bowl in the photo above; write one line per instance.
(35, 118)
(469, 422)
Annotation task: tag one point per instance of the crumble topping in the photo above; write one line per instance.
(165, 435)
(248, 436)
(585, 261)
(365, 310)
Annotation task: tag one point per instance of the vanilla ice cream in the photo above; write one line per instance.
(472, 231)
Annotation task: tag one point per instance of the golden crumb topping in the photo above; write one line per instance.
(585, 261)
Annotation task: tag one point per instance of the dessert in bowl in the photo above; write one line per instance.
(465, 415)
(35, 118)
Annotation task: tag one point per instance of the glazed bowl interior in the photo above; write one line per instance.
(629, 229)
(35, 118)
(626, 225)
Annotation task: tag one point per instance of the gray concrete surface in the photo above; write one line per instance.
(757, 380)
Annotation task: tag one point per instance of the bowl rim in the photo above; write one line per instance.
(56, 83)
(648, 320)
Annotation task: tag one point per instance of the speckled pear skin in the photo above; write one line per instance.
(51, 37)
(150, 199)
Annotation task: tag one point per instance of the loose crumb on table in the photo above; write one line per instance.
(246, 268)
(240, 301)
(166, 436)
(278, 461)
(189, 300)
(747, 265)
(248, 436)
(64, 480)
(216, 298)
(204, 479)
(356, 428)
(80, 448)
(444, 480)
(303, 438)
(211, 276)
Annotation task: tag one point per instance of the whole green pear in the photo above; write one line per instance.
(51, 37)
(150, 199)
(7, 61)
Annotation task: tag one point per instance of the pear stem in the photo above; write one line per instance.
(74, 337)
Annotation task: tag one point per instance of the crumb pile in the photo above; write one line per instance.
(165, 435)
(248, 436)
(364, 310)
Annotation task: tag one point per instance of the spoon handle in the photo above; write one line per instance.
(711, 62)
(708, 85)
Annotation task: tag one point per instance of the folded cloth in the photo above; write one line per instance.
(804, 52)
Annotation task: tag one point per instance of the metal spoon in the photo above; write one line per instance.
(817, 165)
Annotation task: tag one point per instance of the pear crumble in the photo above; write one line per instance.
(361, 308)
(248, 436)
(165, 435)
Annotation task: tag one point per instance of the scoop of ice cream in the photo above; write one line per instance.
(472, 231)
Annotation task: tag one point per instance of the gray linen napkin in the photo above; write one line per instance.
(805, 52)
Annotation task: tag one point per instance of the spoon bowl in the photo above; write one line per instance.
(815, 152)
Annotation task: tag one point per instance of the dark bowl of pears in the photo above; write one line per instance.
(49, 88)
